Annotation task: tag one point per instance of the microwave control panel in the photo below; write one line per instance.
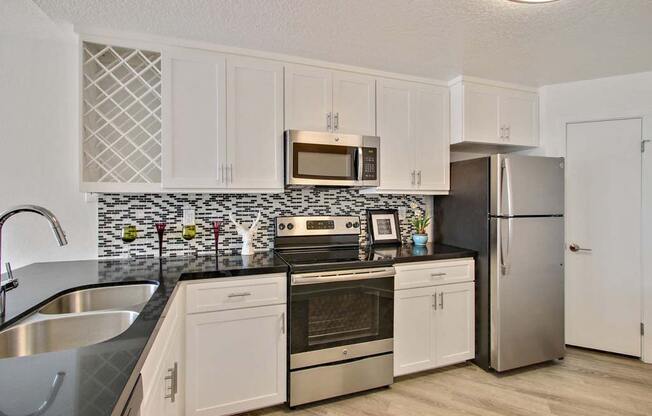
(369, 163)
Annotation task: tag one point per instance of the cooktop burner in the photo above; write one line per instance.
(324, 243)
(332, 258)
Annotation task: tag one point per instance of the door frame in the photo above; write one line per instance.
(646, 212)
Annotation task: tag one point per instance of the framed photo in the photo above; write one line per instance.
(383, 227)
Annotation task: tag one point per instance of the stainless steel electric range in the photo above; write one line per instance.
(340, 309)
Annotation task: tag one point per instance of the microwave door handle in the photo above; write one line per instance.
(359, 164)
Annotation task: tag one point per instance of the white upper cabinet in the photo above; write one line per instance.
(194, 119)
(205, 92)
(354, 104)
(432, 138)
(308, 98)
(395, 128)
(254, 119)
(519, 117)
(413, 126)
(319, 99)
(493, 118)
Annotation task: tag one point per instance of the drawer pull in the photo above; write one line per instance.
(239, 295)
(438, 275)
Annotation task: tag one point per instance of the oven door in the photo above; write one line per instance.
(341, 317)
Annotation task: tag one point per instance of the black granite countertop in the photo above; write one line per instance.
(94, 377)
(430, 252)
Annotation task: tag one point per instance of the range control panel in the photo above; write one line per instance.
(331, 225)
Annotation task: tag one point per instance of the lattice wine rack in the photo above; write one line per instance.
(121, 115)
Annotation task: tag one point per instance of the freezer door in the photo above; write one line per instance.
(527, 185)
(527, 291)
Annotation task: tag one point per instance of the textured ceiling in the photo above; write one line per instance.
(497, 39)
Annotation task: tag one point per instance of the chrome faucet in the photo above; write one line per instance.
(12, 282)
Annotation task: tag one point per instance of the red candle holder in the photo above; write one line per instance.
(216, 234)
(160, 230)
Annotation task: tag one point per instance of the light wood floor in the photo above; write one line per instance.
(586, 383)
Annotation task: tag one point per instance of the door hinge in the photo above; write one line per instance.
(643, 145)
(642, 329)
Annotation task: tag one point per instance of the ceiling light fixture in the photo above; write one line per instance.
(533, 1)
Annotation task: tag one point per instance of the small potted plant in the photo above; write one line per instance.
(420, 222)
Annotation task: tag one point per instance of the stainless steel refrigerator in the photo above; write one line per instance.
(510, 209)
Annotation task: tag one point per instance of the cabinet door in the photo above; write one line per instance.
(166, 350)
(519, 113)
(194, 117)
(308, 98)
(481, 113)
(354, 104)
(236, 360)
(455, 324)
(431, 133)
(414, 320)
(254, 123)
(396, 131)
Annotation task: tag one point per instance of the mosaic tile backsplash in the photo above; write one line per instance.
(143, 210)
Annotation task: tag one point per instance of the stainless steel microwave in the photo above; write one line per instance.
(330, 159)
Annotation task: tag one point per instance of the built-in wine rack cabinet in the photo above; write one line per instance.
(121, 116)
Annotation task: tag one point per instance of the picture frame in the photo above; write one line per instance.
(383, 227)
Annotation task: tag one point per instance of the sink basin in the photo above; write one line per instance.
(131, 297)
(62, 333)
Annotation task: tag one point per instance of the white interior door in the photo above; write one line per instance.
(603, 215)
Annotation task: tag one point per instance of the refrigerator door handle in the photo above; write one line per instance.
(504, 248)
(507, 187)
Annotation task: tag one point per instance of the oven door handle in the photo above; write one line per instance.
(341, 276)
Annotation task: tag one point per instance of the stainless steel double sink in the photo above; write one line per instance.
(76, 319)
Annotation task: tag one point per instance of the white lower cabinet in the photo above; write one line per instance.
(434, 325)
(162, 372)
(235, 358)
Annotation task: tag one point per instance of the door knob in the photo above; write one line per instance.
(576, 248)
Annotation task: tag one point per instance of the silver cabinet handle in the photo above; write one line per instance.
(434, 301)
(441, 300)
(336, 121)
(502, 132)
(173, 378)
(283, 323)
(419, 177)
(413, 173)
(221, 173)
(576, 248)
(328, 121)
(437, 275)
(239, 295)
(507, 132)
(231, 173)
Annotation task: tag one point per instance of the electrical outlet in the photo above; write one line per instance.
(402, 212)
(140, 214)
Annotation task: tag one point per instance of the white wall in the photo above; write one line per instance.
(38, 137)
(622, 96)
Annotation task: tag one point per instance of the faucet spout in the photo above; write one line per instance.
(59, 235)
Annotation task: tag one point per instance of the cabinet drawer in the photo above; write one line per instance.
(433, 273)
(215, 295)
